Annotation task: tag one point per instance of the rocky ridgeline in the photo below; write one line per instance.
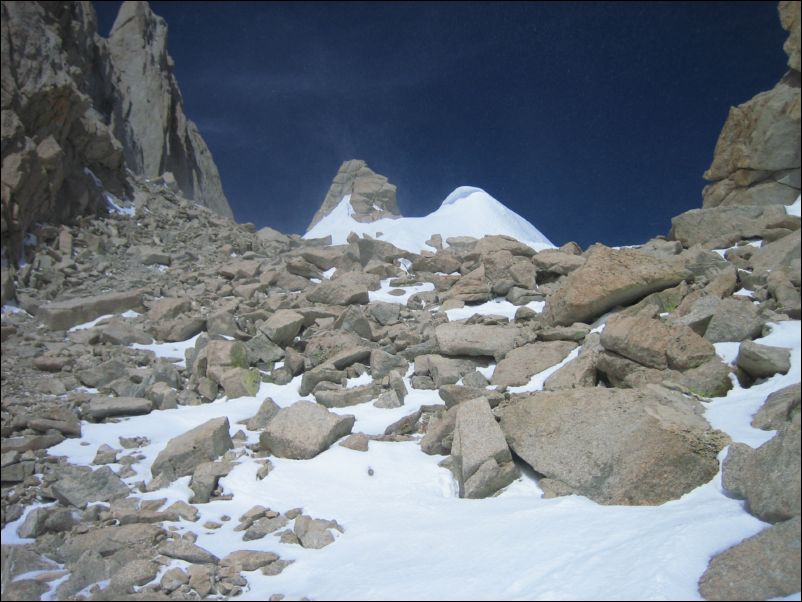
(620, 420)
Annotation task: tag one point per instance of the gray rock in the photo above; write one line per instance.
(262, 349)
(62, 315)
(77, 486)
(763, 361)
(42, 520)
(440, 433)
(105, 455)
(579, 372)
(183, 550)
(223, 355)
(248, 560)
(173, 579)
(614, 446)
(315, 533)
(734, 320)
(656, 344)
(444, 370)
(303, 430)
(456, 394)
(283, 326)
(239, 382)
(388, 400)
(763, 567)
(264, 526)
(204, 480)
(522, 363)
(476, 339)
(184, 453)
(768, 478)
(109, 540)
(385, 314)
(266, 411)
(482, 460)
(357, 442)
(102, 374)
(349, 289)
(168, 308)
(720, 227)
(137, 573)
(312, 378)
(334, 396)
(779, 408)
(609, 278)
(106, 407)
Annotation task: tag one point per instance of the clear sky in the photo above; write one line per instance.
(594, 121)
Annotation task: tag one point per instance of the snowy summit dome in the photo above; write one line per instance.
(467, 211)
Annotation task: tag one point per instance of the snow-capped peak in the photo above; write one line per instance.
(467, 211)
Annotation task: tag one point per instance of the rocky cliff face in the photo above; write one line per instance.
(757, 156)
(149, 118)
(372, 195)
(77, 113)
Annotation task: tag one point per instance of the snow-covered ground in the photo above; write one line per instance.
(409, 536)
(468, 211)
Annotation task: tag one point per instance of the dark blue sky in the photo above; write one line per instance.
(594, 121)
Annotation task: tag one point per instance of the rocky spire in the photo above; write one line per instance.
(78, 111)
(372, 195)
(149, 118)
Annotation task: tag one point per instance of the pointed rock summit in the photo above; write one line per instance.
(372, 197)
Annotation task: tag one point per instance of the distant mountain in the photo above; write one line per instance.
(468, 211)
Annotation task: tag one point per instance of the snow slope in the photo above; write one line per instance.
(468, 211)
(409, 536)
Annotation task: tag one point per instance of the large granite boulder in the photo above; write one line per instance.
(635, 447)
(303, 430)
(610, 277)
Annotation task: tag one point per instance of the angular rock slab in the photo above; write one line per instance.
(609, 278)
(63, 315)
(78, 486)
(768, 477)
(633, 447)
(762, 567)
(184, 453)
(105, 407)
(482, 460)
(456, 338)
(522, 363)
(303, 430)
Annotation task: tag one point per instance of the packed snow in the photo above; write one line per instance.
(409, 536)
(468, 211)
